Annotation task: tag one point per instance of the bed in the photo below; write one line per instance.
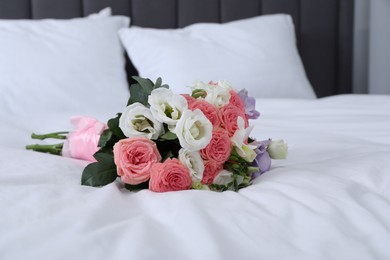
(328, 200)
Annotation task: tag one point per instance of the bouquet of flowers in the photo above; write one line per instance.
(168, 142)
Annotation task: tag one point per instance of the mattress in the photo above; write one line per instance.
(330, 199)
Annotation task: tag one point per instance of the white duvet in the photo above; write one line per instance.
(329, 200)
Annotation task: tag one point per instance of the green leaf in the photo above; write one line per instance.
(113, 125)
(168, 136)
(146, 84)
(105, 158)
(98, 174)
(141, 186)
(140, 91)
(158, 83)
(105, 137)
(138, 95)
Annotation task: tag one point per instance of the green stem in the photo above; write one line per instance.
(47, 148)
(56, 135)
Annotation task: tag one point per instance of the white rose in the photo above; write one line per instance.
(167, 107)
(193, 130)
(224, 177)
(194, 163)
(246, 151)
(137, 120)
(277, 149)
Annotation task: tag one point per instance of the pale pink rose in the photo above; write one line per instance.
(170, 175)
(236, 100)
(210, 111)
(229, 114)
(134, 158)
(211, 169)
(219, 148)
(82, 143)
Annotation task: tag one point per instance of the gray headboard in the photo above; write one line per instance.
(324, 27)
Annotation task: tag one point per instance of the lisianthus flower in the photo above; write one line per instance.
(134, 158)
(262, 160)
(250, 104)
(194, 163)
(137, 120)
(215, 94)
(82, 143)
(225, 84)
(170, 175)
(239, 140)
(193, 130)
(224, 177)
(167, 107)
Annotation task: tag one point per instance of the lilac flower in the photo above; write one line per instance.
(262, 160)
(250, 104)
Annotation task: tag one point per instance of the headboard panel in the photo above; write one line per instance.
(323, 27)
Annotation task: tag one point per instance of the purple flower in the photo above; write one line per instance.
(250, 104)
(262, 160)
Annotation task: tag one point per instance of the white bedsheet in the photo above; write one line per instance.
(329, 200)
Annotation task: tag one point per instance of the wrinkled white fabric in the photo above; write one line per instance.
(330, 199)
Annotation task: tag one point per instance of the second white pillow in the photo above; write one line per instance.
(258, 54)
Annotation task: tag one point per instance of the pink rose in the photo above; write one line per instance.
(83, 142)
(134, 158)
(210, 111)
(219, 148)
(211, 169)
(229, 114)
(189, 99)
(236, 100)
(170, 175)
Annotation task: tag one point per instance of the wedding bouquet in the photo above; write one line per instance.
(164, 141)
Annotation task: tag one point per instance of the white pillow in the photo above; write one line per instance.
(62, 65)
(258, 54)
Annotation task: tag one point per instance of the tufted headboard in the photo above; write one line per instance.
(323, 27)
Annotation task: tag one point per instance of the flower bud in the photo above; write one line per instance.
(277, 149)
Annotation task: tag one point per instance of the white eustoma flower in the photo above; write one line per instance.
(224, 177)
(137, 120)
(193, 130)
(167, 107)
(194, 163)
(217, 95)
(246, 151)
(225, 84)
(277, 149)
